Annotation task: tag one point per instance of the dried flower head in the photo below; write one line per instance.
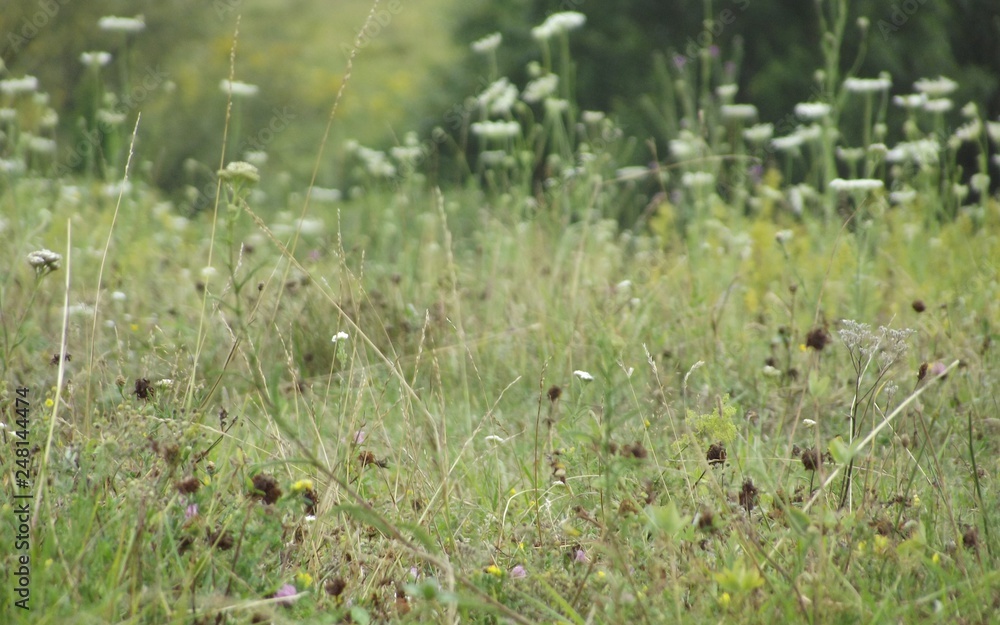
(748, 495)
(265, 487)
(554, 393)
(188, 486)
(43, 261)
(818, 338)
(716, 454)
(811, 459)
(919, 306)
(143, 389)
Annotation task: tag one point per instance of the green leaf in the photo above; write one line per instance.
(360, 615)
(797, 519)
(818, 384)
(841, 451)
(665, 519)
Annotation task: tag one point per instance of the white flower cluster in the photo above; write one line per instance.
(95, 59)
(860, 184)
(496, 129)
(487, 44)
(557, 24)
(499, 97)
(868, 85)
(128, 25)
(14, 86)
(238, 89)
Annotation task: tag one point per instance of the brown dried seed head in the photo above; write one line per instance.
(554, 393)
(919, 306)
(716, 454)
(188, 485)
(748, 495)
(818, 338)
(811, 459)
(266, 487)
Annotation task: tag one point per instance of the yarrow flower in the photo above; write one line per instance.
(499, 97)
(558, 23)
(487, 44)
(14, 86)
(496, 130)
(812, 110)
(583, 375)
(95, 59)
(738, 111)
(910, 101)
(860, 184)
(339, 336)
(540, 88)
(240, 172)
(935, 87)
(759, 133)
(44, 260)
(868, 85)
(128, 25)
(238, 89)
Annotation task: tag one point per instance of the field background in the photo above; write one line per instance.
(658, 344)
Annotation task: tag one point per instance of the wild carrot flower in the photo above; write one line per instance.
(935, 87)
(339, 336)
(95, 59)
(540, 88)
(487, 44)
(44, 261)
(14, 86)
(759, 133)
(583, 375)
(738, 111)
(127, 25)
(938, 105)
(238, 89)
(812, 110)
(868, 85)
(861, 184)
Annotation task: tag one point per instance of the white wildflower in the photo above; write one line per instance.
(583, 375)
(939, 105)
(910, 101)
(496, 129)
(540, 88)
(810, 132)
(14, 86)
(903, 196)
(487, 44)
(241, 172)
(41, 145)
(238, 89)
(860, 184)
(556, 106)
(321, 194)
(558, 23)
(868, 85)
(110, 118)
(127, 25)
(759, 133)
(850, 155)
(118, 296)
(935, 87)
(726, 92)
(738, 111)
(969, 132)
(632, 172)
(783, 236)
(44, 260)
(808, 423)
(257, 158)
(339, 336)
(595, 117)
(95, 59)
(812, 110)
(786, 144)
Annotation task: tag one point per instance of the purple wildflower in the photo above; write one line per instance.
(285, 593)
(580, 556)
(518, 572)
(191, 512)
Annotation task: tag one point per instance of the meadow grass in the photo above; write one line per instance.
(722, 387)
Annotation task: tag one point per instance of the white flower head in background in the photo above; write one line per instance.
(583, 375)
(44, 261)
(127, 25)
(487, 44)
(238, 89)
(935, 87)
(95, 59)
(812, 110)
(860, 184)
(558, 23)
(240, 172)
(339, 336)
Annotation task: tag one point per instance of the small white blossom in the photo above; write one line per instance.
(910, 101)
(786, 144)
(812, 110)
(558, 23)
(339, 336)
(95, 59)
(240, 171)
(487, 44)
(238, 89)
(321, 194)
(935, 87)
(496, 130)
(783, 236)
(759, 133)
(726, 92)
(595, 117)
(738, 111)
(127, 25)
(903, 196)
(14, 86)
(44, 259)
(540, 88)
(808, 423)
(868, 85)
(939, 105)
(969, 132)
(118, 296)
(583, 375)
(860, 184)
(697, 179)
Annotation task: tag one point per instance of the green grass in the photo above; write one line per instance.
(493, 482)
